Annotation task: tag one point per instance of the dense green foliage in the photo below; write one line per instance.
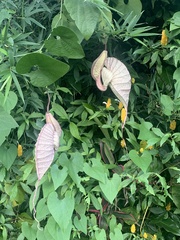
(98, 186)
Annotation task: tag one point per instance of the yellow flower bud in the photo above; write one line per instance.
(150, 147)
(141, 150)
(123, 143)
(145, 235)
(164, 39)
(133, 80)
(172, 125)
(108, 103)
(154, 237)
(120, 105)
(168, 207)
(19, 150)
(133, 228)
(123, 115)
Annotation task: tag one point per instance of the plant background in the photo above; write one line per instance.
(97, 187)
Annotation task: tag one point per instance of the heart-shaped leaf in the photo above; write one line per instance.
(58, 176)
(97, 170)
(142, 161)
(61, 209)
(64, 43)
(8, 155)
(85, 14)
(6, 122)
(111, 187)
(42, 69)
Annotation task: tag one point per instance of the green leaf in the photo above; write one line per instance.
(176, 76)
(64, 43)
(97, 171)
(10, 103)
(56, 232)
(61, 209)
(4, 14)
(167, 104)
(74, 166)
(168, 224)
(74, 130)
(29, 231)
(130, 6)
(59, 110)
(176, 195)
(111, 187)
(42, 69)
(85, 14)
(117, 233)
(81, 223)
(42, 209)
(7, 122)
(18, 86)
(8, 155)
(142, 161)
(58, 176)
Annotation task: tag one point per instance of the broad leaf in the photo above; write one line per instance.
(29, 231)
(167, 104)
(8, 155)
(61, 209)
(74, 166)
(130, 6)
(7, 122)
(85, 14)
(10, 102)
(55, 231)
(42, 69)
(142, 161)
(58, 176)
(64, 43)
(97, 171)
(111, 187)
